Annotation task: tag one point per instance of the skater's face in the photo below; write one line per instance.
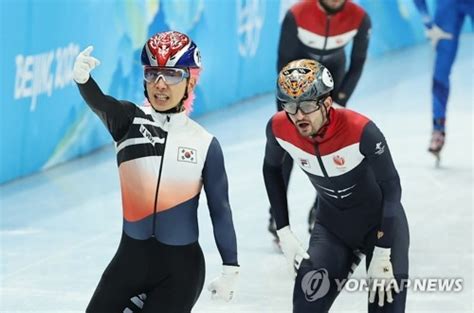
(333, 4)
(309, 124)
(166, 88)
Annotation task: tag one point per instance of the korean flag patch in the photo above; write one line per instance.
(187, 155)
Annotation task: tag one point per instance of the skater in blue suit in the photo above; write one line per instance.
(443, 30)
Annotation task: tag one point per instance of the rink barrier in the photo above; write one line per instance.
(44, 121)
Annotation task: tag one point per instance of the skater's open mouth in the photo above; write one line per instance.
(302, 124)
(161, 97)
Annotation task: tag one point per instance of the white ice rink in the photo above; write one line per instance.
(60, 228)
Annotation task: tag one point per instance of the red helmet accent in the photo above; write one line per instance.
(171, 49)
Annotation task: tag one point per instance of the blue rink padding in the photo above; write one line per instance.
(45, 122)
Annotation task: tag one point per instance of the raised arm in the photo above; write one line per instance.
(116, 115)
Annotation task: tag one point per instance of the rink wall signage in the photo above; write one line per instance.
(45, 122)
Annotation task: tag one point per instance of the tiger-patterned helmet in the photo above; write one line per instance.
(302, 80)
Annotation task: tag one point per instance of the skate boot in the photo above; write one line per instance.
(436, 144)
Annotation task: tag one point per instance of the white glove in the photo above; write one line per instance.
(380, 274)
(436, 34)
(224, 286)
(83, 65)
(292, 249)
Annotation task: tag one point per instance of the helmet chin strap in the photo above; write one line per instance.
(180, 106)
(322, 130)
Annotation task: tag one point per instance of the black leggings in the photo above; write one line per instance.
(331, 259)
(172, 277)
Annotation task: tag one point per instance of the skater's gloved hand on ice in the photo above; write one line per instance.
(292, 249)
(435, 34)
(224, 286)
(380, 274)
(83, 65)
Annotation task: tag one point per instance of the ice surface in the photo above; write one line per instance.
(60, 228)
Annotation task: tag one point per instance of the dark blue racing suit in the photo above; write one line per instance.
(308, 32)
(449, 16)
(350, 166)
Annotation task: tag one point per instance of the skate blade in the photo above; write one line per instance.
(437, 158)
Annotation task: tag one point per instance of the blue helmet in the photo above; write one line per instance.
(171, 49)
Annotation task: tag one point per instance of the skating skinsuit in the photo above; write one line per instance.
(308, 32)
(351, 168)
(359, 201)
(449, 16)
(164, 160)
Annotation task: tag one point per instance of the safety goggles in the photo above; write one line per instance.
(306, 107)
(170, 76)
